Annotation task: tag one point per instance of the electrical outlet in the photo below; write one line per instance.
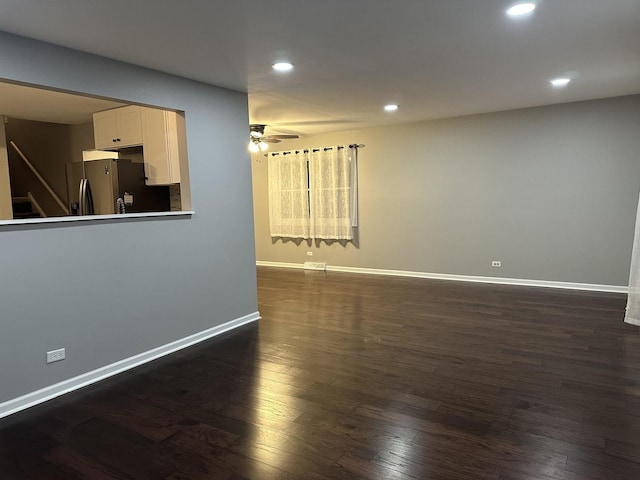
(309, 254)
(56, 355)
(496, 263)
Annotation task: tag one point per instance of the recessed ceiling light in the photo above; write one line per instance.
(282, 66)
(390, 108)
(522, 8)
(560, 82)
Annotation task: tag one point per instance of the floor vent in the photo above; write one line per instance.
(315, 266)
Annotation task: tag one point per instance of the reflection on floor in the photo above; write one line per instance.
(364, 377)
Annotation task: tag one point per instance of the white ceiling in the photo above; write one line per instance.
(436, 58)
(19, 101)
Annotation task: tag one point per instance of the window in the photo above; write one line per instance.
(313, 193)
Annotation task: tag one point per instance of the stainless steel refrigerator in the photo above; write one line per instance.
(110, 186)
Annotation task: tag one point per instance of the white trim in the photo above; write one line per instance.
(88, 218)
(279, 264)
(315, 266)
(39, 396)
(592, 287)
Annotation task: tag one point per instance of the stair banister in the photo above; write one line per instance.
(36, 205)
(42, 180)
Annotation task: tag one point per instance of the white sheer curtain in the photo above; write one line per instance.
(633, 299)
(333, 192)
(289, 195)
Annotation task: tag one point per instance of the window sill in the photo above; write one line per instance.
(93, 218)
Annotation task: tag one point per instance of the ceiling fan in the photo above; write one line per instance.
(258, 141)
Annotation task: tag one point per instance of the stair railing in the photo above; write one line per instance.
(36, 205)
(39, 177)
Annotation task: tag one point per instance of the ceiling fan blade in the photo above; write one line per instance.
(269, 140)
(283, 137)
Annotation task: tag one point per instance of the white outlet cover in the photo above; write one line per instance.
(56, 355)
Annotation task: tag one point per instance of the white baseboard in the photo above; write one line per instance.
(280, 264)
(39, 396)
(462, 278)
(315, 266)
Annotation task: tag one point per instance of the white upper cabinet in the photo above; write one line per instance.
(164, 145)
(118, 128)
(161, 133)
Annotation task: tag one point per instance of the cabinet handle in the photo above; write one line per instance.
(114, 139)
(117, 139)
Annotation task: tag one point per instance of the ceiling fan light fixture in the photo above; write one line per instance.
(282, 66)
(259, 142)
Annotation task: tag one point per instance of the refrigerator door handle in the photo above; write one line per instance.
(88, 197)
(81, 198)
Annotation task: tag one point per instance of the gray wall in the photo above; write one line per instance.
(550, 191)
(107, 290)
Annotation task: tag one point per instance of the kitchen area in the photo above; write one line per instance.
(128, 159)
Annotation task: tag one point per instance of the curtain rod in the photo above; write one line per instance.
(314, 150)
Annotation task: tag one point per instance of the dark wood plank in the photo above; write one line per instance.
(353, 377)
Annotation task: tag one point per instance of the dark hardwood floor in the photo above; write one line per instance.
(363, 377)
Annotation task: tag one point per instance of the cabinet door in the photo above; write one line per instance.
(162, 142)
(175, 142)
(104, 130)
(129, 126)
